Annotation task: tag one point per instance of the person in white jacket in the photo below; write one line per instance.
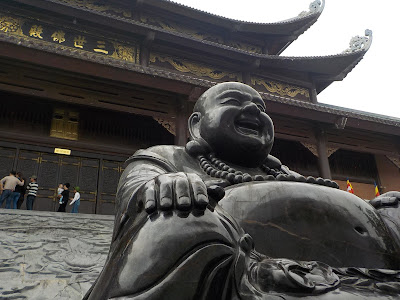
(76, 200)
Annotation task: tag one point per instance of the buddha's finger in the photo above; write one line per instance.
(392, 194)
(165, 192)
(389, 200)
(182, 192)
(149, 197)
(375, 202)
(199, 191)
(383, 200)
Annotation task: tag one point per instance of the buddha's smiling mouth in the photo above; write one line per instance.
(248, 126)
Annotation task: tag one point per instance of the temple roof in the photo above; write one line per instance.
(285, 31)
(180, 20)
(157, 17)
(152, 25)
(324, 69)
(315, 8)
(324, 112)
(285, 27)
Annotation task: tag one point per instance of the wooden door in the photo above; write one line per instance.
(109, 178)
(97, 179)
(28, 163)
(49, 166)
(7, 157)
(88, 182)
(69, 170)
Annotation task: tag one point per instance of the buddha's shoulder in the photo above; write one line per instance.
(162, 151)
(165, 154)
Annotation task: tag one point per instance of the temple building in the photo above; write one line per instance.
(86, 83)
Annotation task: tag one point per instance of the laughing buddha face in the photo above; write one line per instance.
(231, 118)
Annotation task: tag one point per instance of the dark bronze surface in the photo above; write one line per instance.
(172, 240)
(311, 222)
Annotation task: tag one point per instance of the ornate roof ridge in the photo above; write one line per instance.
(357, 44)
(315, 8)
(360, 43)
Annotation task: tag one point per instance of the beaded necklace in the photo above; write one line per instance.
(218, 169)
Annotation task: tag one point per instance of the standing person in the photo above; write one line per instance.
(22, 191)
(8, 184)
(76, 201)
(32, 189)
(65, 197)
(19, 189)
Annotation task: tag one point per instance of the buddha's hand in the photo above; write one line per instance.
(176, 191)
(386, 199)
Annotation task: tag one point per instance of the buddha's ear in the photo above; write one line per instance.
(194, 125)
(197, 145)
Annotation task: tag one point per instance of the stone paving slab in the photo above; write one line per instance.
(50, 255)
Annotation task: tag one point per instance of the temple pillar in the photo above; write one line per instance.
(183, 113)
(313, 95)
(246, 78)
(323, 162)
(145, 48)
(181, 123)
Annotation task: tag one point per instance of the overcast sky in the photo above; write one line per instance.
(373, 85)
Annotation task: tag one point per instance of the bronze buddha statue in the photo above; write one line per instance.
(190, 219)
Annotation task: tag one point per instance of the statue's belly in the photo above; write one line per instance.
(310, 222)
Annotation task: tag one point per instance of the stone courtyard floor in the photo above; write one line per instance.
(50, 255)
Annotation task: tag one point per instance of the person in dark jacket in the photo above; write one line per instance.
(19, 192)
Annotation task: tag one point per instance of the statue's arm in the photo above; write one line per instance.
(135, 175)
(150, 184)
(148, 227)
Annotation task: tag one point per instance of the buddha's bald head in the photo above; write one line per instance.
(231, 118)
(207, 100)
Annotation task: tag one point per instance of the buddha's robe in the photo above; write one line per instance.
(193, 255)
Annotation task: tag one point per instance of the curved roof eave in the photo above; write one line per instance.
(335, 110)
(292, 26)
(324, 65)
(324, 69)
